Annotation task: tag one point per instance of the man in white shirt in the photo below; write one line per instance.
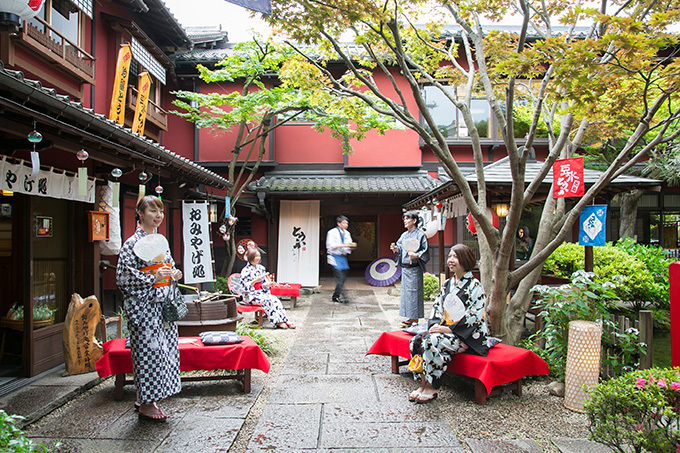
(338, 245)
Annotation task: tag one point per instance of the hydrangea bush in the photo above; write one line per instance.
(430, 286)
(638, 411)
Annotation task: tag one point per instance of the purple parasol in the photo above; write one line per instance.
(383, 271)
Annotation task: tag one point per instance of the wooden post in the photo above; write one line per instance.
(442, 255)
(646, 336)
(588, 255)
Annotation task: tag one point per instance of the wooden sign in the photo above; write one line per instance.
(98, 225)
(81, 348)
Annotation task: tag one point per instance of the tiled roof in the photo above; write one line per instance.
(342, 183)
(108, 131)
(498, 174)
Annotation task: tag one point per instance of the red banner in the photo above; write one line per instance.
(495, 221)
(568, 178)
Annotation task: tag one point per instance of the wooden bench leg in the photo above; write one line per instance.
(293, 301)
(480, 392)
(118, 389)
(246, 380)
(517, 390)
(258, 317)
(395, 364)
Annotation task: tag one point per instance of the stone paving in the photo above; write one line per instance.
(323, 394)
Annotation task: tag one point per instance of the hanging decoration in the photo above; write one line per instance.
(159, 189)
(13, 12)
(139, 120)
(593, 225)
(115, 186)
(568, 178)
(143, 177)
(491, 215)
(120, 85)
(82, 156)
(35, 137)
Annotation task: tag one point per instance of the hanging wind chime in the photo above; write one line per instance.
(159, 188)
(35, 137)
(143, 177)
(115, 186)
(82, 156)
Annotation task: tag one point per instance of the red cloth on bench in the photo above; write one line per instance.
(286, 289)
(503, 365)
(245, 308)
(192, 356)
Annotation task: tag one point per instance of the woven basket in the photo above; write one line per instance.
(221, 308)
(18, 324)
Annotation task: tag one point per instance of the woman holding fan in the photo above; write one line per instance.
(412, 255)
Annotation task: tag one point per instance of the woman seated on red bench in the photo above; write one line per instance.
(256, 285)
(457, 323)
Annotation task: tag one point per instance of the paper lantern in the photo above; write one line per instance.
(583, 362)
(13, 12)
(471, 221)
(432, 228)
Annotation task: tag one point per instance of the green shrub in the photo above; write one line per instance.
(266, 342)
(588, 300)
(12, 439)
(430, 286)
(637, 411)
(619, 264)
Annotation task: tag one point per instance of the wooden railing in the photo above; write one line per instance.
(41, 37)
(154, 113)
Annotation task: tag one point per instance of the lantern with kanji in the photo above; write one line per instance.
(14, 12)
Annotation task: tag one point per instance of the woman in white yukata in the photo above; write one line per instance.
(153, 343)
(457, 324)
(256, 286)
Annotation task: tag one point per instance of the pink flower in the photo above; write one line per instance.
(662, 383)
(651, 379)
(640, 383)
(675, 385)
(638, 427)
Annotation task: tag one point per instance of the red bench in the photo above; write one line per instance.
(193, 355)
(501, 370)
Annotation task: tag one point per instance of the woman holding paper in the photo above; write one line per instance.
(412, 255)
(457, 324)
(153, 342)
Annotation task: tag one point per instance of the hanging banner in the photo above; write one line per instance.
(470, 221)
(299, 242)
(198, 259)
(120, 84)
(261, 6)
(568, 178)
(593, 225)
(17, 178)
(142, 103)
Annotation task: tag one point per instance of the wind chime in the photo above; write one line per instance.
(82, 156)
(143, 178)
(35, 137)
(115, 186)
(159, 188)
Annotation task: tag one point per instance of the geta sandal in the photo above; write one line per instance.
(422, 399)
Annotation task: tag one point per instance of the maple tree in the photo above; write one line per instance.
(588, 73)
(260, 106)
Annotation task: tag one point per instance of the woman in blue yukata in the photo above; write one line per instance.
(457, 324)
(257, 284)
(153, 342)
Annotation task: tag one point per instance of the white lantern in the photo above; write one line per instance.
(13, 12)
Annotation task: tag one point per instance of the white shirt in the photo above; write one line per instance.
(333, 240)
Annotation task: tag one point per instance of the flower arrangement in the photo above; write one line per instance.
(638, 411)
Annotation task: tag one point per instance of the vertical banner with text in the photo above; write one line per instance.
(568, 178)
(299, 242)
(120, 84)
(593, 225)
(198, 260)
(142, 103)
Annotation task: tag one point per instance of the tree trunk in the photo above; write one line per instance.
(629, 202)
(519, 306)
(230, 257)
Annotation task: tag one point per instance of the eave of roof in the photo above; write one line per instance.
(94, 126)
(402, 183)
(497, 175)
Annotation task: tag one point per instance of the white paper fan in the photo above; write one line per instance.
(149, 247)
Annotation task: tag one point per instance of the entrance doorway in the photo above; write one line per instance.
(363, 230)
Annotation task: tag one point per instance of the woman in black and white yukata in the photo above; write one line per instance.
(457, 324)
(257, 289)
(153, 342)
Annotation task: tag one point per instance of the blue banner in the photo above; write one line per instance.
(593, 225)
(262, 6)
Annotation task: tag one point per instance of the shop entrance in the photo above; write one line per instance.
(363, 230)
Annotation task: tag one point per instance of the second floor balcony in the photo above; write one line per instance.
(154, 113)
